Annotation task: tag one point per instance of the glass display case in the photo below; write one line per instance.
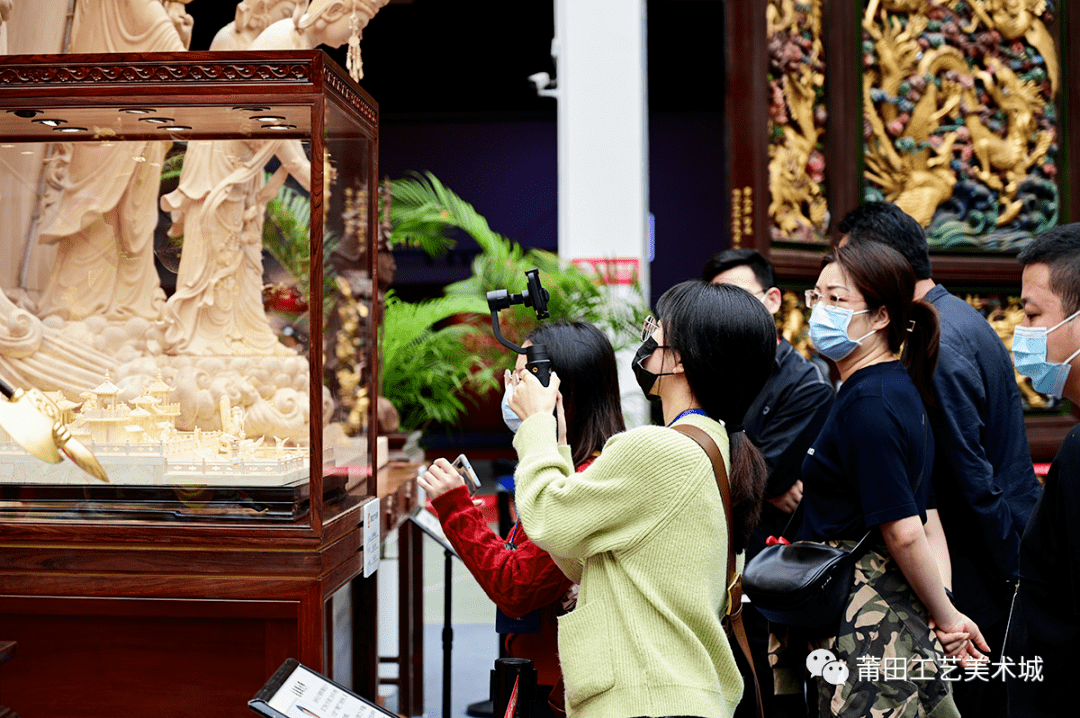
(173, 223)
(190, 300)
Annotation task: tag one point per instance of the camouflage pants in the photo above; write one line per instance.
(893, 657)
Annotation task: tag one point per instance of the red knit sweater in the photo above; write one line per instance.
(518, 581)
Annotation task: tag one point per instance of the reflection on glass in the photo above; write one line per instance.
(207, 387)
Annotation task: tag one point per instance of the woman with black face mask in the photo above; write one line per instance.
(643, 529)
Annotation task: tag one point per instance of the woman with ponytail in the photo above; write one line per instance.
(643, 529)
(869, 471)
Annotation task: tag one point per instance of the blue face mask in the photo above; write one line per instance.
(1029, 356)
(829, 331)
(512, 420)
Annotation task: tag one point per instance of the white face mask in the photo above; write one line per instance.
(512, 420)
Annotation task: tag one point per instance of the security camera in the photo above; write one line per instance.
(541, 80)
(545, 86)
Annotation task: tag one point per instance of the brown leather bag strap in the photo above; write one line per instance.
(706, 442)
(734, 580)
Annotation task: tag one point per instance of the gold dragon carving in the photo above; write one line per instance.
(905, 156)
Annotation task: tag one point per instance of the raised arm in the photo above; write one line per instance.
(631, 488)
(517, 580)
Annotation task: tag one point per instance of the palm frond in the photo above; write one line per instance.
(427, 369)
(172, 166)
(424, 207)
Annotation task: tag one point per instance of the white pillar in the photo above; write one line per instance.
(603, 148)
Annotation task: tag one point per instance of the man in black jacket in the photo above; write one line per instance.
(1045, 625)
(782, 422)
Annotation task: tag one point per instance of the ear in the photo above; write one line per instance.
(678, 367)
(879, 318)
(773, 300)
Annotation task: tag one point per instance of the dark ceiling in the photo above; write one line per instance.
(439, 59)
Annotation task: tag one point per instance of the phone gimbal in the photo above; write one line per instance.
(534, 296)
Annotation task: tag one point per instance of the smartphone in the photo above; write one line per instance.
(466, 470)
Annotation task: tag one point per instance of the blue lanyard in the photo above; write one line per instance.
(509, 543)
(688, 412)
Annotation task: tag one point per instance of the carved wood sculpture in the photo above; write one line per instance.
(960, 122)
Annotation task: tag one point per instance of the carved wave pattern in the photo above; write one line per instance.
(135, 73)
(960, 121)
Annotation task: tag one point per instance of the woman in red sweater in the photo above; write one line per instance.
(520, 578)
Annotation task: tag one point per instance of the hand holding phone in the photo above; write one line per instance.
(463, 467)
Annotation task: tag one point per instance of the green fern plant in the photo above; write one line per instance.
(428, 368)
(424, 211)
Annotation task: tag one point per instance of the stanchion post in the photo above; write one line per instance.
(447, 635)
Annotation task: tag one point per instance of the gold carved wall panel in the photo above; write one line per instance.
(798, 211)
(960, 124)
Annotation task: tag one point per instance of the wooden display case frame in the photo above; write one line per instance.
(144, 617)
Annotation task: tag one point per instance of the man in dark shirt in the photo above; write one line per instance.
(1045, 627)
(983, 480)
(782, 422)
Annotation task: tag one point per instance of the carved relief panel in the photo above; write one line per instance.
(960, 125)
(798, 209)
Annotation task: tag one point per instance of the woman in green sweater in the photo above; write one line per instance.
(643, 529)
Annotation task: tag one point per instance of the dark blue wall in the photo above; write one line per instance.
(507, 171)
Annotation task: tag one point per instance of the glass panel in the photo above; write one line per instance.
(348, 313)
(159, 303)
(179, 122)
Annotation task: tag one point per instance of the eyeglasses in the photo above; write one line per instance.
(812, 297)
(648, 327)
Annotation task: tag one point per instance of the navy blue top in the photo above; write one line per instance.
(982, 477)
(787, 416)
(862, 469)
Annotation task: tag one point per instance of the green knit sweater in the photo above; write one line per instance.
(643, 531)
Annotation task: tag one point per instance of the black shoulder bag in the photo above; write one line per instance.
(805, 583)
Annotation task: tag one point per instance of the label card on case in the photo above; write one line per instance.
(371, 537)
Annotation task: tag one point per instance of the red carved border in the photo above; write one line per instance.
(25, 71)
(358, 101)
(137, 74)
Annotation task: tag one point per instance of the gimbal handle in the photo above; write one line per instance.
(536, 297)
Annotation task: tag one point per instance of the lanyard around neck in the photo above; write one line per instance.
(688, 412)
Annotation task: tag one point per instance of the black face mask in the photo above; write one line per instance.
(646, 378)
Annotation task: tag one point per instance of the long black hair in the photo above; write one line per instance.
(585, 362)
(726, 342)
